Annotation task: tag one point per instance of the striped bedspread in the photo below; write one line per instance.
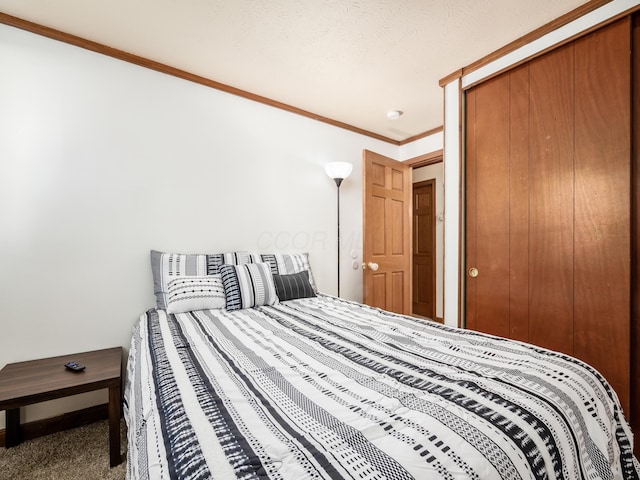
(322, 388)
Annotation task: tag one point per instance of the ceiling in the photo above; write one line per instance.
(347, 60)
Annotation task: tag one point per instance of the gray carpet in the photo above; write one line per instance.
(78, 454)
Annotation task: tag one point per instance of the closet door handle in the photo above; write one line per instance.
(473, 272)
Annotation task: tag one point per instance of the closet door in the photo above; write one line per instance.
(548, 203)
(487, 194)
(497, 210)
(602, 239)
(551, 197)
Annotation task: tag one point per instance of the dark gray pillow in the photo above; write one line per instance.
(295, 285)
(287, 263)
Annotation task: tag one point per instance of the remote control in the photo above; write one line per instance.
(75, 367)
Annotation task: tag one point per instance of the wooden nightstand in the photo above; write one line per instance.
(36, 381)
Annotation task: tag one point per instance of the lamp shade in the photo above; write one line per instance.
(339, 170)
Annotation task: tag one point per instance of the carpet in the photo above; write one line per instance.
(78, 454)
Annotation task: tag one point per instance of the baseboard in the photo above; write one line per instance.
(439, 319)
(46, 426)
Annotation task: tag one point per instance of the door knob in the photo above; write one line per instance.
(473, 272)
(371, 265)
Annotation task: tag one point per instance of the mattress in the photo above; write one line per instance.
(322, 388)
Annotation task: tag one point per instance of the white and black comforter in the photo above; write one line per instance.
(322, 388)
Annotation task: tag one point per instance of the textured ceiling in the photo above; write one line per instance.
(348, 60)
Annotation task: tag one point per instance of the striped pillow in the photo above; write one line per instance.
(249, 285)
(168, 266)
(287, 263)
(296, 285)
(187, 294)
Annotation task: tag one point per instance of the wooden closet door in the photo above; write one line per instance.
(519, 186)
(497, 214)
(551, 195)
(487, 206)
(602, 240)
(548, 203)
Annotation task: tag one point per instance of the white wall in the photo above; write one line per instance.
(427, 144)
(101, 161)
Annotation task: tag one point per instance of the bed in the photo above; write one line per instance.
(316, 387)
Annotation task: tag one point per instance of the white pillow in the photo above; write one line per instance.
(190, 293)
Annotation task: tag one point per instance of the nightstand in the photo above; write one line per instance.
(34, 381)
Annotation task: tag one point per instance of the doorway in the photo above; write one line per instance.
(424, 249)
(428, 284)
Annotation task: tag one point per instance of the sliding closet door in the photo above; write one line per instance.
(635, 234)
(548, 203)
(551, 195)
(497, 216)
(519, 214)
(487, 201)
(602, 240)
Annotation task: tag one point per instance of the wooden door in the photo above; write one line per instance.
(487, 203)
(635, 237)
(602, 235)
(548, 214)
(424, 244)
(386, 188)
(551, 196)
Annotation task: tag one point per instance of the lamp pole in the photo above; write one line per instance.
(338, 171)
(338, 182)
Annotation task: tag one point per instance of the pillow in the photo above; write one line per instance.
(288, 263)
(187, 293)
(248, 285)
(167, 266)
(290, 287)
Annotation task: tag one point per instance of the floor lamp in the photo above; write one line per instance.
(338, 171)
